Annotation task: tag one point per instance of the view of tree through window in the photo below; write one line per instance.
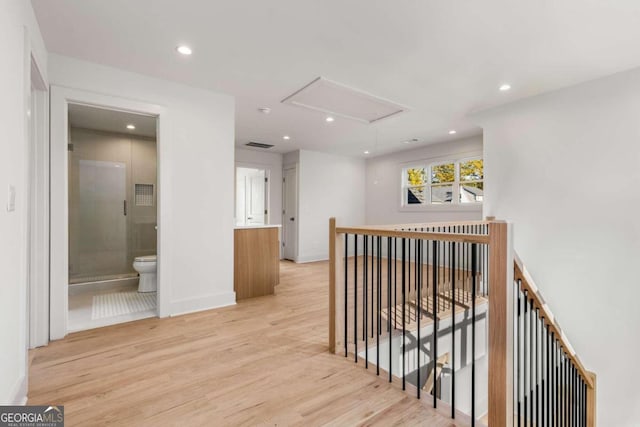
(454, 182)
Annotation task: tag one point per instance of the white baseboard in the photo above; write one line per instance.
(311, 258)
(207, 302)
(19, 394)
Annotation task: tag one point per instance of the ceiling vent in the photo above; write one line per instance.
(340, 100)
(258, 145)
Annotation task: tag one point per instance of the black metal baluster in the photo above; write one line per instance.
(403, 312)
(434, 352)
(355, 298)
(548, 408)
(389, 267)
(375, 249)
(537, 417)
(395, 283)
(525, 360)
(378, 305)
(473, 334)
(365, 279)
(452, 266)
(418, 308)
(518, 340)
(543, 340)
(346, 285)
(531, 358)
(364, 301)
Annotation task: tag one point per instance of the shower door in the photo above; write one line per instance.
(98, 222)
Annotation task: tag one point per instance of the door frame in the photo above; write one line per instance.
(293, 167)
(61, 97)
(37, 185)
(267, 194)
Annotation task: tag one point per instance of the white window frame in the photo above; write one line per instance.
(455, 197)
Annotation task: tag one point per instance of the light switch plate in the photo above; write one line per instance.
(11, 199)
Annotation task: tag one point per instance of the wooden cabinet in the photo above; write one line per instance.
(256, 261)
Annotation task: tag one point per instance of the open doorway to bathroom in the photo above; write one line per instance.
(112, 216)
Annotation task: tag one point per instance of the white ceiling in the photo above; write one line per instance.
(84, 116)
(442, 59)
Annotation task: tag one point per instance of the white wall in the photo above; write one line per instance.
(19, 38)
(564, 167)
(383, 193)
(196, 177)
(329, 186)
(273, 163)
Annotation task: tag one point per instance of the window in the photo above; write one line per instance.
(450, 182)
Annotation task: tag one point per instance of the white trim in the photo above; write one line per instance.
(202, 303)
(267, 199)
(285, 168)
(38, 182)
(60, 98)
(19, 394)
(428, 164)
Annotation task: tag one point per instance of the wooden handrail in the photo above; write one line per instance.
(429, 224)
(426, 235)
(527, 283)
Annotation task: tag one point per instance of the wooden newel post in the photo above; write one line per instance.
(591, 402)
(500, 391)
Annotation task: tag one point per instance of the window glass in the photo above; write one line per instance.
(443, 173)
(416, 176)
(472, 170)
(471, 192)
(416, 195)
(441, 194)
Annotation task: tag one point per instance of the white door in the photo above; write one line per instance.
(255, 191)
(290, 215)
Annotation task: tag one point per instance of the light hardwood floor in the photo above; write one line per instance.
(261, 362)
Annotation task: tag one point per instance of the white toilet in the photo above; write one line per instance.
(146, 266)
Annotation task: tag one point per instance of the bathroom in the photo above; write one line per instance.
(113, 193)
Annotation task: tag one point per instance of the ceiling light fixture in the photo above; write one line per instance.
(286, 137)
(184, 50)
(329, 119)
(264, 110)
(452, 132)
(505, 87)
(366, 152)
(131, 127)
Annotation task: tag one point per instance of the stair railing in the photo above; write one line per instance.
(552, 386)
(403, 296)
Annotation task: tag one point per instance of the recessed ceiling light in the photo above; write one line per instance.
(452, 132)
(406, 142)
(286, 137)
(366, 152)
(329, 119)
(185, 50)
(131, 127)
(505, 87)
(264, 110)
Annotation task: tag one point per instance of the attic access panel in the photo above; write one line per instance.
(334, 98)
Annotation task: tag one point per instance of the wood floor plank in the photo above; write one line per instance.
(262, 362)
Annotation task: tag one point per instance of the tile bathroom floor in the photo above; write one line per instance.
(81, 300)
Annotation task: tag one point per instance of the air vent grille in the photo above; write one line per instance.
(258, 145)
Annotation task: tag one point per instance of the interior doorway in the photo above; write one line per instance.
(290, 214)
(252, 191)
(112, 221)
(143, 204)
